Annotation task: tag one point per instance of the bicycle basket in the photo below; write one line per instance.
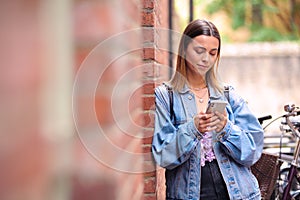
(266, 170)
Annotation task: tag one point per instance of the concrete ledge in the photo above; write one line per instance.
(261, 49)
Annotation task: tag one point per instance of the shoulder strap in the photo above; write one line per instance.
(226, 92)
(170, 93)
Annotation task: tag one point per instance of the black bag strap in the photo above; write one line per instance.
(226, 92)
(172, 115)
(170, 93)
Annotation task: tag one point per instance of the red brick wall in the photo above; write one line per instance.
(92, 141)
(108, 101)
(155, 57)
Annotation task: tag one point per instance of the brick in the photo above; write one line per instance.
(147, 138)
(150, 71)
(148, 88)
(148, 156)
(137, 119)
(135, 100)
(149, 166)
(149, 103)
(147, 19)
(149, 174)
(147, 148)
(149, 53)
(148, 119)
(148, 34)
(148, 4)
(149, 185)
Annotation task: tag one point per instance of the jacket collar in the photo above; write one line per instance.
(213, 93)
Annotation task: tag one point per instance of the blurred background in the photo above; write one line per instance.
(77, 80)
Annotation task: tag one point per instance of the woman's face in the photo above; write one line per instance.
(201, 54)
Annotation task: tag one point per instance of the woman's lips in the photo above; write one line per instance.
(202, 66)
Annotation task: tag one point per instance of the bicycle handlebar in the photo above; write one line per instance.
(291, 109)
(262, 119)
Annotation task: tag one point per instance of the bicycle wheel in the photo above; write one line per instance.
(282, 182)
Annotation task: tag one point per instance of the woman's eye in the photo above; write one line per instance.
(213, 53)
(199, 51)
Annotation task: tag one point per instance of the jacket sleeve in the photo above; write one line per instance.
(243, 136)
(171, 146)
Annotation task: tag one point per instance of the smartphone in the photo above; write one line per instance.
(216, 105)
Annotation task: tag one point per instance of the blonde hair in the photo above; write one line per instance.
(194, 29)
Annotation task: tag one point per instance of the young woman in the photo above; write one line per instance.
(207, 156)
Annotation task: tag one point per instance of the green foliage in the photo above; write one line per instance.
(238, 14)
(266, 34)
(234, 8)
(237, 9)
(218, 5)
(271, 35)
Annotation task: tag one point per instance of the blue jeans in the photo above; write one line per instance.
(213, 186)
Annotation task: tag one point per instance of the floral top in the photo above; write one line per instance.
(207, 153)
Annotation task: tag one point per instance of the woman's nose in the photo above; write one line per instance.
(205, 57)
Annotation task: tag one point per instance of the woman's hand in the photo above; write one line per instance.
(222, 120)
(208, 122)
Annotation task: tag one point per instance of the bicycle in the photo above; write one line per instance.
(288, 182)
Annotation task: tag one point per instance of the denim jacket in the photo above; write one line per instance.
(176, 145)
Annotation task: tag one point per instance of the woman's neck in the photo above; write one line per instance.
(196, 81)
